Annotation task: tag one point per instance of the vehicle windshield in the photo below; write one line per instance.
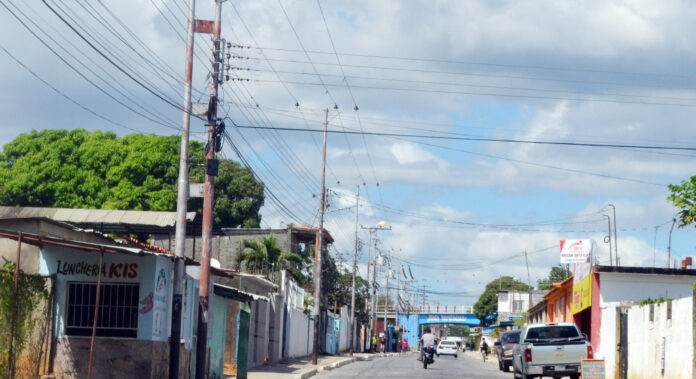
(511, 338)
(552, 333)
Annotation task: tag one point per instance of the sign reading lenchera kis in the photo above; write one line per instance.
(575, 251)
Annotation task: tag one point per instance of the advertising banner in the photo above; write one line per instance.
(575, 251)
(582, 295)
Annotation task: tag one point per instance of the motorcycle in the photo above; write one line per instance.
(428, 354)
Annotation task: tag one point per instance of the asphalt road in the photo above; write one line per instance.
(407, 366)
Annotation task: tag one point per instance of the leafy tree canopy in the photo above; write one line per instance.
(81, 169)
(557, 274)
(486, 308)
(684, 197)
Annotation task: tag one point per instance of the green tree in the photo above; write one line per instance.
(81, 169)
(486, 308)
(557, 274)
(340, 294)
(267, 256)
(683, 196)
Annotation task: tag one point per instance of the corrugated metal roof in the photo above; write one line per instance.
(40, 240)
(96, 216)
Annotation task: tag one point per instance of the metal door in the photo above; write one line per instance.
(623, 344)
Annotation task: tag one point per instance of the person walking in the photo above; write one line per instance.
(374, 343)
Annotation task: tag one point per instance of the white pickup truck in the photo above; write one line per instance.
(552, 349)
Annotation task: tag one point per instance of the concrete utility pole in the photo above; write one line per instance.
(386, 300)
(529, 280)
(317, 252)
(208, 201)
(373, 311)
(370, 230)
(355, 267)
(616, 238)
(182, 198)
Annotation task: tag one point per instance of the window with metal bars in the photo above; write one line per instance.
(118, 309)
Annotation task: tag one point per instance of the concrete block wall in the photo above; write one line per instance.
(224, 248)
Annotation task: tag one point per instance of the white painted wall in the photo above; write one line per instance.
(627, 288)
(300, 334)
(645, 340)
(506, 300)
(344, 342)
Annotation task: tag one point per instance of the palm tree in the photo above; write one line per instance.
(266, 256)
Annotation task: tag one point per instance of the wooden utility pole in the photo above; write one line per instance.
(317, 252)
(208, 201)
(181, 202)
(355, 267)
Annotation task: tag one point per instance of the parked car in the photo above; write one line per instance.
(552, 349)
(504, 347)
(447, 348)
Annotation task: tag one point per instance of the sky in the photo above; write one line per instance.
(455, 86)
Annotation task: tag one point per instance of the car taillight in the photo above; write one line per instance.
(590, 353)
(528, 355)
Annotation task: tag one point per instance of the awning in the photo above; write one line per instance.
(235, 294)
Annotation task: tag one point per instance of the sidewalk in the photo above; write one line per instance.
(303, 368)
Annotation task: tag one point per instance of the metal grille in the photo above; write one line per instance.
(118, 309)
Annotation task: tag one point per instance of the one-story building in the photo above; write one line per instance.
(596, 302)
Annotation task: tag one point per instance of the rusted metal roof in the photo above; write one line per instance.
(41, 240)
(96, 216)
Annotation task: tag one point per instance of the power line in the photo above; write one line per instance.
(491, 64)
(56, 90)
(479, 139)
(472, 85)
(77, 71)
(491, 94)
(479, 74)
(299, 40)
(111, 61)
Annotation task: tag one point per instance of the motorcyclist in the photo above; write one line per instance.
(427, 340)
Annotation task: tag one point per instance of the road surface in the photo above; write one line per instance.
(406, 366)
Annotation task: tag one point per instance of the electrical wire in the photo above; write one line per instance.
(480, 139)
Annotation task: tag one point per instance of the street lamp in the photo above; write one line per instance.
(669, 246)
(608, 239)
